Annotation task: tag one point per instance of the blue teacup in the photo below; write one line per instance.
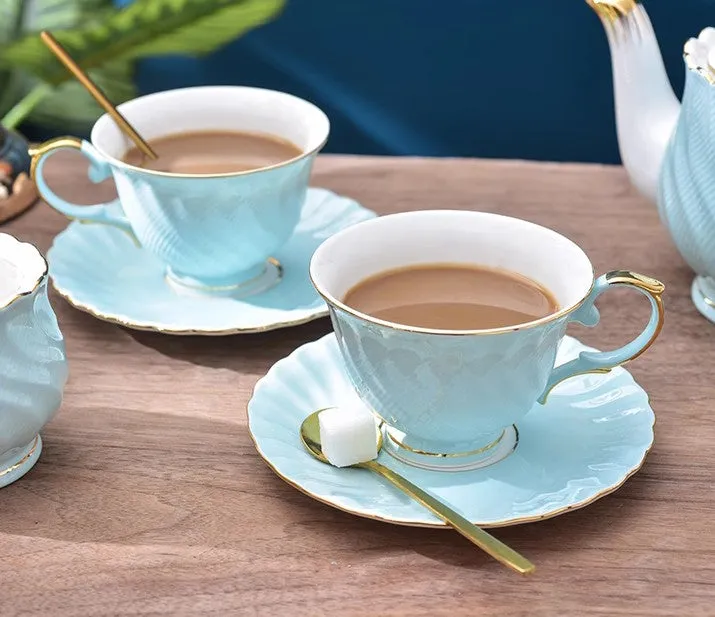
(214, 232)
(453, 399)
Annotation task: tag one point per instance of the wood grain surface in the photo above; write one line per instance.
(149, 498)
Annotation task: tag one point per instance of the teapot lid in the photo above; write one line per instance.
(22, 269)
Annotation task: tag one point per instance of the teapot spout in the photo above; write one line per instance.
(646, 107)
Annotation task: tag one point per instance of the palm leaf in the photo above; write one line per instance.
(147, 27)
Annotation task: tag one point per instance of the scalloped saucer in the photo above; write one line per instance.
(98, 269)
(592, 435)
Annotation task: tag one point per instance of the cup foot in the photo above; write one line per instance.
(492, 452)
(20, 462)
(702, 293)
(262, 279)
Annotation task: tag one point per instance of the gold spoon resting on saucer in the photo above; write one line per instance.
(61, 54)
(310, 436)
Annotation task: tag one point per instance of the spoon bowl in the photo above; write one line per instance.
(310, 436)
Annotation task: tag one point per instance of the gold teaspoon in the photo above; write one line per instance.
(310, 436)
(61, 53)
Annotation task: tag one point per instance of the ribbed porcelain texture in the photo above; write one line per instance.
(592, 434)
(447, 392)
(33, 370)
(190, 222)
(686, 200)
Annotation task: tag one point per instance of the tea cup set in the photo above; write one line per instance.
(507, 425)
(183, 253)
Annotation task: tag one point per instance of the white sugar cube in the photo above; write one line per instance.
(347, 435)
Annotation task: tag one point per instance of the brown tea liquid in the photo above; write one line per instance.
(452, 297)
(214, 152)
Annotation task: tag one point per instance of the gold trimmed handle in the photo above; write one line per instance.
(587, 314)
(488, 543)
(37, 152)
(99, 169)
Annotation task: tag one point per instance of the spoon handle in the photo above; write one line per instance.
(488, 543)
(61, 54)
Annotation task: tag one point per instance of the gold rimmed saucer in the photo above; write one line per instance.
(564, 460)
(99, 269)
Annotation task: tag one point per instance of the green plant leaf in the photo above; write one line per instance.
(11, 19)
(68, 107)
(147, 27)
(62, 14)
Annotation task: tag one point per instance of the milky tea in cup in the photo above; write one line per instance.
(452, 296)
(214, 152)
(448, 323)
(224, 195)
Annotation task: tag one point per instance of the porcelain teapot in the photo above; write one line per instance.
(668, 147)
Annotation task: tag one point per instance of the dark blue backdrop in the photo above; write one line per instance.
(488, 78)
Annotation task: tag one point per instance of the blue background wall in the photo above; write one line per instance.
(489, 78)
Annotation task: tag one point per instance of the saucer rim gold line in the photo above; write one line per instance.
(143, 327)
(440, 525)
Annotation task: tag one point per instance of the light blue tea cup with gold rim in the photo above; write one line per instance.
(453, 399)
(214, 232)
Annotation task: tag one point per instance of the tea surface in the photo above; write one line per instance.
(214, 152)
(451, 297)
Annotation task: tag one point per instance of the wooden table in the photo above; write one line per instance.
(149, 498)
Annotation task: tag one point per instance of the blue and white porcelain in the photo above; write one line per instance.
(452, 398)
(100, 270)
(210, 231)
(668, 148)
(33, 365)
(593, 433)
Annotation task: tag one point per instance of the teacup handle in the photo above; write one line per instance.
(109, 213)
(587, 314)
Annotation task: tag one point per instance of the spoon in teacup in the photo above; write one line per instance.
(61, 54)
(310, 436)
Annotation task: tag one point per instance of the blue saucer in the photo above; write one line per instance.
(592, 435)
(100, 270)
